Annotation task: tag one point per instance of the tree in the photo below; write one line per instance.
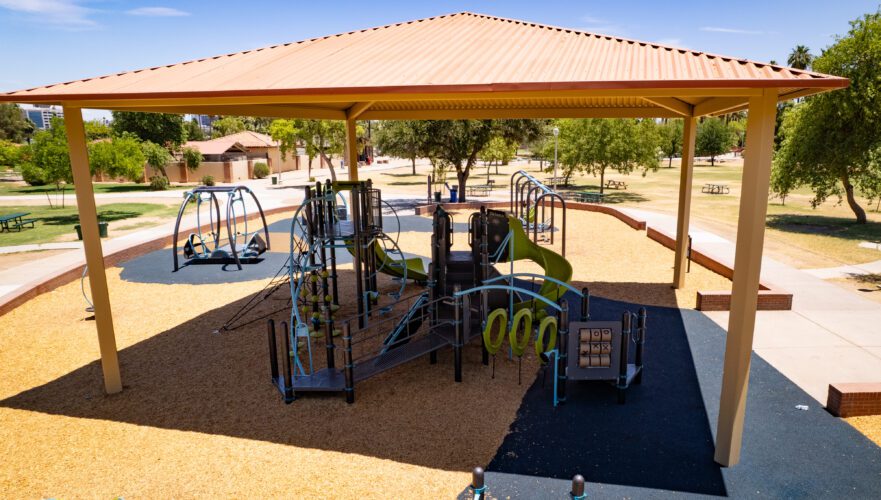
(226, 126)
(120, 156)
(498, 151)
(13, 126)
(159, 128)
(831, 140)
(289, 134)
(194, 131)
(738, 132)
(800, 57)
(96, 129)
(595, 145)
(49, 158)
(401, 139)
(10, 154)
(320, 138)
(713, 139)
(457, 143)
(671, 139)
(156, 156)
(192, 158)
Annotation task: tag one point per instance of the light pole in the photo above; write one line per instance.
(556, 135)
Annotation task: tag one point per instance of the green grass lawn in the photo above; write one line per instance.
(53, 223)
(804, 236)
(11, 189)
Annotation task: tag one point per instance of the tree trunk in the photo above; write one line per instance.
(327, 160)
(602, 179)
(310, 166)
(852, 202)
(462, 177)
(712, 161)
(670, 161)
(413, 163)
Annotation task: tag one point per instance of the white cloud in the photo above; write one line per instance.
(67, 13)
(157, 12)
(601, 26)
(670, 42)
(735, 31)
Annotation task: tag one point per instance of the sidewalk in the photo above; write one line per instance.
(830, 335)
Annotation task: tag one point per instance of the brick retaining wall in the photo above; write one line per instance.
(854, 399)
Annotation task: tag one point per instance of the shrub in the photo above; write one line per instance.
(311, 179)
(158, 183)
(261, 170)
(192, 158)
(208, 180)
(33, 174)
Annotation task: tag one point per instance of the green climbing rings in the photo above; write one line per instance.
(549, 325)
(493, 345)
(518, 344)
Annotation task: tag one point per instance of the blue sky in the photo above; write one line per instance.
(49, 41)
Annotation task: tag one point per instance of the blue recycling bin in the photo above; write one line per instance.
(454, 194)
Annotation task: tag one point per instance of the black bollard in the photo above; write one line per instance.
(577, 492)
(478, 486)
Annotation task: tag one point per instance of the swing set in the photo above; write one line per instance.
(205, 247)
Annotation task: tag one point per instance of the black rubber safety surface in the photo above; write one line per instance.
(660, 443)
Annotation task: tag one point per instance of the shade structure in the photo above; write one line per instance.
(462, 65)
(468, 65)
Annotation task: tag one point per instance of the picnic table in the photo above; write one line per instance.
(586, 196)
(613, 184)
(16, 220)
(482, 189)
(555, 180)
(710, 188)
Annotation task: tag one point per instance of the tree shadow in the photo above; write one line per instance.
(103, 216)
(837, 227)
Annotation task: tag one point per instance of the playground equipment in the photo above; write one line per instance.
(600, 350)
(467, 298)
(205, 248)
(422, 323)
(534, 204)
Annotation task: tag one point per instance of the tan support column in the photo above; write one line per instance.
(747, 268)
(686, 172)
(352, 149)
(85, 201)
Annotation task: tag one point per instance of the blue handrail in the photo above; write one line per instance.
(510, 289)
(534, 275)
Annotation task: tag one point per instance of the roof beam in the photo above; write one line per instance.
(330, 96)
(673, 104)
(357, 109)
(278, 111)
(717, 105)
(514, 113)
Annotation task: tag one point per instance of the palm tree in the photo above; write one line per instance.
(800, 57)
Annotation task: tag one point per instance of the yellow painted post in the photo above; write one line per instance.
(686, 172)
(352, 149)
(85, 200)
(747, 269)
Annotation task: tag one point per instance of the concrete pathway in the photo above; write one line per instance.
(64, 245)
(830, 335)
(846, 271)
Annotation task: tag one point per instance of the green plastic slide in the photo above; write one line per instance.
(553, 264)
(392, 267)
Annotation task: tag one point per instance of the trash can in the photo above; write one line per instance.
(437, 196)
(274, 180)
(454, 194)
(102, 230)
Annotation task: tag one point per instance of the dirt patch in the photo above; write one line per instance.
(869, 425)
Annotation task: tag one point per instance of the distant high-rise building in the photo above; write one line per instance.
(41, 114)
